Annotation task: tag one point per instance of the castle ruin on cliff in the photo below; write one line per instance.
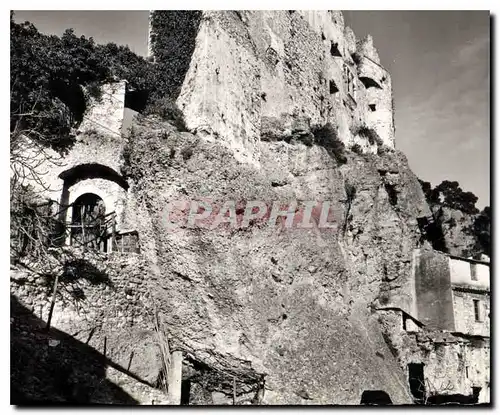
(251, 72)
(375, 309)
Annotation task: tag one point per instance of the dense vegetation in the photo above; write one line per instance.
(449, 194)
(52, 79)
(173, 36)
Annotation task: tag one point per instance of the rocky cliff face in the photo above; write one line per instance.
(457, 229)
(290, 308)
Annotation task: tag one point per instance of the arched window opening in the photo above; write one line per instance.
(89, 223)
(92, 171)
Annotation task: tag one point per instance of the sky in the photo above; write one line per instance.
(438, 61)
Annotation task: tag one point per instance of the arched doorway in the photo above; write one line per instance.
(88, 222)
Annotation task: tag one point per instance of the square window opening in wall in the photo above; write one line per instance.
(334, 49)
(473, 272)
(477, 310)
(372, 107)
(333, 87)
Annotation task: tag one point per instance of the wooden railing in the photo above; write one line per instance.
(48, 231)
(93, 235)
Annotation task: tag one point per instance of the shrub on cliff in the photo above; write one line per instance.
(357, 149)
(328, 138)
(369, 133)
(167, 110)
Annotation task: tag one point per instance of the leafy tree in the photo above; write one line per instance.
(450, 194)
(482, 230)
(454, 197)
(173, 39)
(53, 77)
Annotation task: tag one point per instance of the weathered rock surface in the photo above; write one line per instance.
(457, 229)
(292, 305)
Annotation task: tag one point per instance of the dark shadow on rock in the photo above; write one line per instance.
(52, 368)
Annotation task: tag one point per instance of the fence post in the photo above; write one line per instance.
(113, 232)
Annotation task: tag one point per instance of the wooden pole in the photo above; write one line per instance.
(175, 378)
(113, 234)
(52, 302)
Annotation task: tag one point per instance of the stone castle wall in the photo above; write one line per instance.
(445, 293)
(250, 67)
(107, 305)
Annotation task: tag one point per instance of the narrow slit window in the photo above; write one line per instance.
(477, 310)
(473, 272)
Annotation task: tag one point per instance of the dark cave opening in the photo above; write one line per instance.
(375, 397)
(417, 381)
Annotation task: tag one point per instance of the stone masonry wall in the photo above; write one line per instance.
(104, 301)
(461, 273)
(452, 364)
(465, 318)
(433, 290)
(98, 141)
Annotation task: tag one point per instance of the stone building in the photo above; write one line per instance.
(443, 339)
(86, 183)
(253, 74)
(452, 293)
(470, 284)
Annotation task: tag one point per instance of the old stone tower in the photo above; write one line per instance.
(251, 72)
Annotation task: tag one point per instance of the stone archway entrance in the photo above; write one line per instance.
(88, 223)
